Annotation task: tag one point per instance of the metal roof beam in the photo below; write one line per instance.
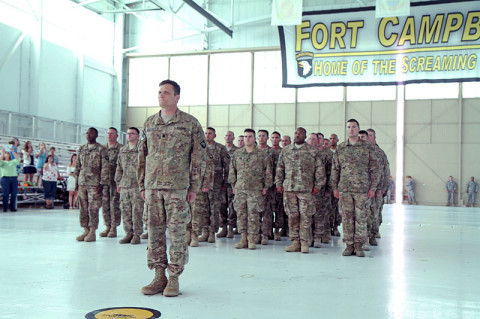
(209, 16)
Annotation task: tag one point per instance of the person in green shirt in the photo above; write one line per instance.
(8, 168)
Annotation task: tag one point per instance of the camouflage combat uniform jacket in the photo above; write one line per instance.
(91, 167)
(172, 155)
(250, 171)
(112, 152)
(221, 161)
(300, 169)
(126, 173)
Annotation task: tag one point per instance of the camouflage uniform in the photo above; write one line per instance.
(354, 173)
(111, 198)
(335, 216)
(321, 218)
(199, 207)
(228, 197)
(451, 189)
(91, 170)
(266, 216)
(472, 189)
(299, 170)
(249, 174)
(213, 199)
(382, 187)
(277, 198)
(171, 161)
(410, 184)
(131, 201)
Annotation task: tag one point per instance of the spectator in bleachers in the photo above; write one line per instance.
(28, 162)
(72, 193)
(15, 153)
(55, 157)
(8, 168)
(41, 156)
(50, 177)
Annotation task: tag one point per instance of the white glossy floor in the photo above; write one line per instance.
(427, 265)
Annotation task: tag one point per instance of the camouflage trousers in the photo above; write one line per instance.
(167, 209)
(199, 211)
(232, 214)
(210, 205)
(279, 211)
(335, 216)
(354, 210)
(131, 204)
(471, 198)
(321, 218)
(90, 202)
(372, 220)
(299, 209)
(248, 205)
(451, 198)
(111, 205)
(411, 197)
(266, 216)
(145, 215)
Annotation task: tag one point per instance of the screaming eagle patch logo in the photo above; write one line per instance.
(304, 64)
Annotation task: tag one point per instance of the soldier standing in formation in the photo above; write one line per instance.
(451, 187)
(472, 189)
(277, 198)
(250, 175)
(410, 185)
(300, 175)
(171, 164)
(266, 216)
(337, 217)
(384, 171)
(354, 180)
(391, 190)
(228, 194)
(91, 175)
(131, 201)
(286, 140)
(111, 198)
(240, 141)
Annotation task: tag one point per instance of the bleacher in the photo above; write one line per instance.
(64, 151)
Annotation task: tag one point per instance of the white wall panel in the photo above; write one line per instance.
(97, 109)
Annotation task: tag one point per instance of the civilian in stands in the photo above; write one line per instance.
(8, 168)
(50, 177)
(72, 193)
(28, 162)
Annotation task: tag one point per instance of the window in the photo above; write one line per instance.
(144, 76)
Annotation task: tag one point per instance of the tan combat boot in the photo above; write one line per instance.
(264, 240)
(348, 251)
(189, 236)
(194, 241)
(144, 236)
(127, 239)
(203, 237)
(373, 241)
(113, 232)
(359, 250)
(294, 247)
(91, 235)
(317, 243)
(82, 236)
(325, 239)
(158, 283)
(230, 231)
(377, 235)
(336, 232)
(366, 246)
(252, 242)
(172, 287)
(105, 232)
(305, 248)
(223, 232)
(243, 243)
(211, 237)
(276, 235)
(135, 240)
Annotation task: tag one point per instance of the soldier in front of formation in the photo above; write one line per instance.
(300, 176)
(250, 175)
(451, 187)
(91, 175)
(472, 190)
(354, 180)
(171, 164)
(111, 198)
(131, 201)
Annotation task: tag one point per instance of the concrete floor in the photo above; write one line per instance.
(427, 265)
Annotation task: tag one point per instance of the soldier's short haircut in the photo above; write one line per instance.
(363, 132)
(353, 120)
(302, 129)
(249, 130)
(176, 87)
(211, 129)
(265, 131)
(112, 128)
(135, 129)
(92, 128)
(319, 133)
(372, 130)
(241, 136)
(275, 132)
